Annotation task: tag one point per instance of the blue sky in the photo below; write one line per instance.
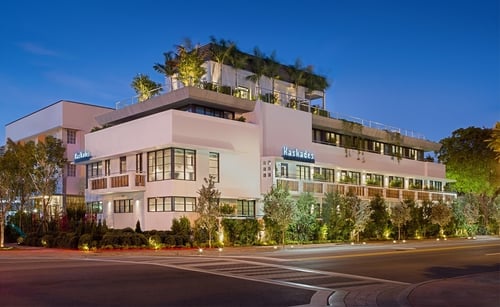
(422, 65)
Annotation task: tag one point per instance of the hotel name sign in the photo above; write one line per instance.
(297, 154)
(82, 156)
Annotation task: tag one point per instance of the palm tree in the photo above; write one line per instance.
(220, 50)
(296, 73)
(238, 60)
(272, 70)
(258, 67)
(169, 68)
(190, 63)
(144, 87)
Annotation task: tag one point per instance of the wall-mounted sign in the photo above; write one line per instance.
(82, 156)
(297, 155)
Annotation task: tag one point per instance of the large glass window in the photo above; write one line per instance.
(159, 204)
(165, 162)
(213, 165)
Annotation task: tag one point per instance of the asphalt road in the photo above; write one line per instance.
(423, 273)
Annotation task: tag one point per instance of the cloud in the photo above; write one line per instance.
(37, 49)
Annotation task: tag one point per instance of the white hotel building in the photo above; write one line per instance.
(68, 121)
(150, 160)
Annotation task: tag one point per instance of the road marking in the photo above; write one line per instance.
(391, 252)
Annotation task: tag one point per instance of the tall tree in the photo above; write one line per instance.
(472, 164)
(304, 224)
(145, 88)
(220, 50)
(359, 215)
(49, 161)
(296, 72)
(22, 166)
(400, 214)
(190, 61)
(441, 214)
(272, 70)
(8, 188)
(466, 214)
(494, 141)
(379, 218)
(258, 67)
(279, 208)
(208, 208)
(168, 68)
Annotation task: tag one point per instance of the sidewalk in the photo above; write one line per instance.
(481, 289)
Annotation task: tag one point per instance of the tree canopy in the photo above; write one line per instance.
(470, 162)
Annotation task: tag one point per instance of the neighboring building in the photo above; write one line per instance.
(68, 121)
(150, 160)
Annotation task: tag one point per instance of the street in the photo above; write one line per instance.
(373, 274)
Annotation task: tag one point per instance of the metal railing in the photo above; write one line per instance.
(283, 99)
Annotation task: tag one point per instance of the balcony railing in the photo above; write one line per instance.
(366, 192)
(127, 182)
(286, 100)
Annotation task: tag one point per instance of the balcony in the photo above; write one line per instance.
(126, 182)
(365, 192)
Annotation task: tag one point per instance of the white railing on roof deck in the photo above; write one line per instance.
(283, 99)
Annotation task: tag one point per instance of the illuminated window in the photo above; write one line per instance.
(123, 206)
(177, 161)
(303, 172)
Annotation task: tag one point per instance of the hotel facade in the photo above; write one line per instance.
(68, 121)
(151, 158)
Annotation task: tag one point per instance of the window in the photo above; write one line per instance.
(283, 170)
(350, 177)
(160, 204)
(71, 136)
(123, 206)
(184, 204)
(138, 163)
(71, 170)
(94, 169)
(303, 172)
(396, 182)
(123, 165)
(107, 167)
(328, 174)
(375, 180)
(213, 165)
(94, 207)
(165, 162)
(245, 208)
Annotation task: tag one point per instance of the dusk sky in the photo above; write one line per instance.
(431, 66)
